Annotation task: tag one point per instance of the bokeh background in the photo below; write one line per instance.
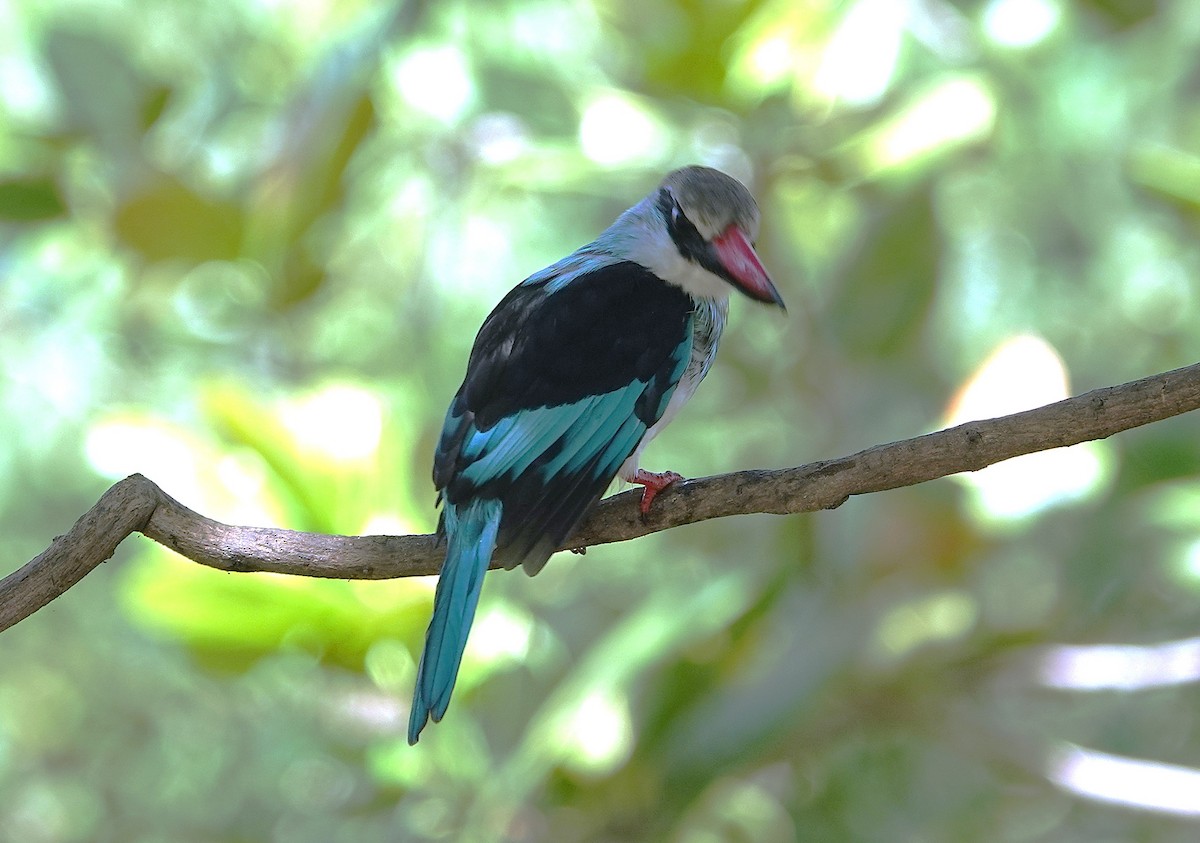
(245, 246)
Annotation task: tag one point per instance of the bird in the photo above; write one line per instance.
(572, 374)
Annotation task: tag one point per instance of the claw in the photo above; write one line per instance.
(653, 483)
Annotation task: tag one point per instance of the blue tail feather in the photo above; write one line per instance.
(471, 534)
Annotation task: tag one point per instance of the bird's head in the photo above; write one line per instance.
(697, 230)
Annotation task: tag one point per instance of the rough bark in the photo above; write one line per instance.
(136, 504)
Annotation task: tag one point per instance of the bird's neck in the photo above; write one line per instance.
(640, 235)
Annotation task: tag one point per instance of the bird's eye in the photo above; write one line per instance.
(676, 213)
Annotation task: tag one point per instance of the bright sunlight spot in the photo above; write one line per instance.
(1023, 373)
(615, 131)
(1189, 563)
(500, 634)
(773, 51)
(1148, 785)
(243, 485)
(597, 736)
(118, 447)
(340, 421)
(436, 81)
(958, 110)
(387, 524)
(1020, 23)
(770, 59)
(1120, 667)
(861, 57)
(224, 486)
(23, 91)
(499, 137)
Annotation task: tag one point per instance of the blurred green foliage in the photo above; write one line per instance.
(244, 248)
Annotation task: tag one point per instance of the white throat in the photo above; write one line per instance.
(640, 236)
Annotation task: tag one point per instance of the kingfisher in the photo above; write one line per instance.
(570, 377)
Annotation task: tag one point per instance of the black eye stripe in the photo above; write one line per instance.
(687, 238)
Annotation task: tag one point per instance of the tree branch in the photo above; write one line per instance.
(136, 504)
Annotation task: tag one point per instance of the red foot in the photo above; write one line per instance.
(654, 484)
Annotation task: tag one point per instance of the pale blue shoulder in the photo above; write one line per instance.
(586, 260)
